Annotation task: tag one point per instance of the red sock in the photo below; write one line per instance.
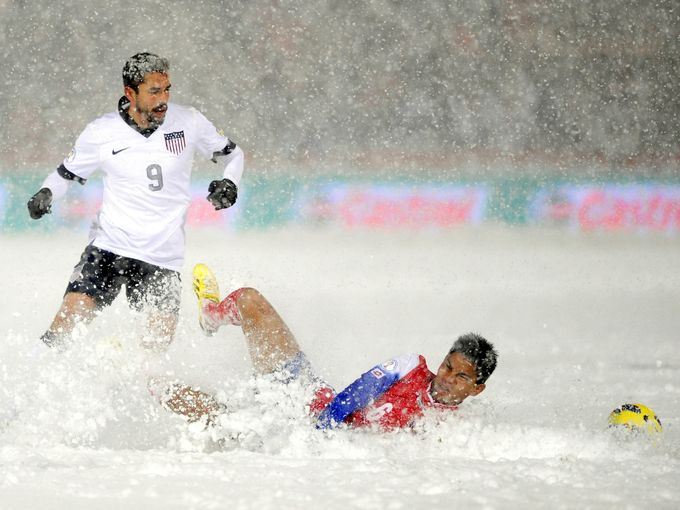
(226, 311)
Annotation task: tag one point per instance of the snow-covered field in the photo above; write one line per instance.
(582, 323)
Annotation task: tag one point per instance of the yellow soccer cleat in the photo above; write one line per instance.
(206, 290)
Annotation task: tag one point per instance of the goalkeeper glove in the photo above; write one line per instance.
(40, 203)
(222, 194)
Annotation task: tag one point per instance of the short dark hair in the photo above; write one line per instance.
(479, 351)
(141, 64)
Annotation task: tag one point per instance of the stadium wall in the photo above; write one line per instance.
(346, 203)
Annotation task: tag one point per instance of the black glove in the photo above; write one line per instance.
(222, 194)
(40, 203)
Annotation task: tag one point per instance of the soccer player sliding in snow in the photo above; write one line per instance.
(390, 395)
(145, 152)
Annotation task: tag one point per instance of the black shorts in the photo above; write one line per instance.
(100, 274)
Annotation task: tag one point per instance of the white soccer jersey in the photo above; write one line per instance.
(146, 181)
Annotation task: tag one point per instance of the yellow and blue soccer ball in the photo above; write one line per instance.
(636, 418)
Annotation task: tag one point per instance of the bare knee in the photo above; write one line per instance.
(252, 304)
(75, 301)
(160, 331)
(76, 306)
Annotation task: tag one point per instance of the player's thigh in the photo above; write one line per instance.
(94, 276)
(149, 286)
(78, 303)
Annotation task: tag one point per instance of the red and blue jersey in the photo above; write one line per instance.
(390, 395)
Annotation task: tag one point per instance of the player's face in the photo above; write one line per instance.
(149, 103)
(455, 380)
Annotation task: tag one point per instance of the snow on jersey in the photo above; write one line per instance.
(390, 395)
(147, 181)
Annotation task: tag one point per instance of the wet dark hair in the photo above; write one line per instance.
(479, 351)
(141, 64)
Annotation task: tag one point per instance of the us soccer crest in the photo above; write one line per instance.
(175, 142)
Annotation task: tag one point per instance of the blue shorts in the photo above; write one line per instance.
(101, 274)
(298, 368)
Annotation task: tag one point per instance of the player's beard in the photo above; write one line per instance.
(442, 395)
(152, 119)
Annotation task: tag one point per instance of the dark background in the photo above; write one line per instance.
(431, 88)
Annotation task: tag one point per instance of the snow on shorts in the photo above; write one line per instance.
(100, 274)
(298, 368)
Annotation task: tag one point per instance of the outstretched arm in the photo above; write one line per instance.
(366, 389)
(53, 188)
(223, 193)
(357, 395)
(82, 162)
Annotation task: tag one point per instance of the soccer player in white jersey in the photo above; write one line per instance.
(145, 152)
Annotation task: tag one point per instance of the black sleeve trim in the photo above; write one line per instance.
(228, 149)
(70, 176)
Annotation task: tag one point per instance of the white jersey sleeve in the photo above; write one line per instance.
(85, 157)
(82, 161)
(56, 184)
(233, 169)
(210, 140)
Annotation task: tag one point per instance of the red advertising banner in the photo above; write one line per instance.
(265, 203)
(640, 207)
(394, 206)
